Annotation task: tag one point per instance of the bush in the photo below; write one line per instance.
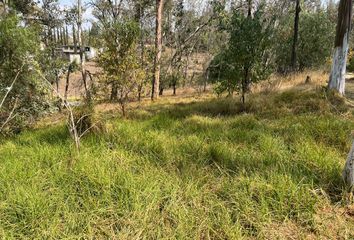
(83, 118)
(26, 98)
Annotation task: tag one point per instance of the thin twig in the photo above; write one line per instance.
(11, 87)
(71, 115)
(11, 116)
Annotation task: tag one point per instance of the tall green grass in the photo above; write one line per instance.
(204, 170)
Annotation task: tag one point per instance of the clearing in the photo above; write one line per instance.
(191, 168)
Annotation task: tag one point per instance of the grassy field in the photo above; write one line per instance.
(197, 168)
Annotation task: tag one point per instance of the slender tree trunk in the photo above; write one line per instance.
(243, 93)
(58, 36)
(206, 80)
(296, 35)
(55, 36)
(67, 35)
(122, 105)
(245, 84)
(74, 38)
(82, 48)
(62, 39)
(46, 36)
(114, 92)
(174, 89)
(67, 83)
(139, 14)
(57, 80)
(140, 89)
(158, 49)
(337, 77)
(249, 12)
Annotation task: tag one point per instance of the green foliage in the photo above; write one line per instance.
(350, 64)
(119, 61)
(52, 66)
(19, 46)
(22, 6)
(170, 79)
(316, 34)
(185, 171)
(246, 60)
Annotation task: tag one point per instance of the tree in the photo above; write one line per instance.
(296, 34)
(337, 77)
(141, 8)
(187, 36)
(314, 45)
(23, 6)
(158, 49)
(246, 60)
(21, 91)
(82, 47)
(119, 61)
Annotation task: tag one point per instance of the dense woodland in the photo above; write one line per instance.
(195, 119)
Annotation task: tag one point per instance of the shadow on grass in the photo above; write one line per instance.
(298, 134)
(57, 135)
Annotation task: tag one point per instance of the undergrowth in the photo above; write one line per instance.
(202, 170)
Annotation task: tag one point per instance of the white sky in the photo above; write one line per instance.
(88, 13)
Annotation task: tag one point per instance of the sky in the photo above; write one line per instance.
(88, 13)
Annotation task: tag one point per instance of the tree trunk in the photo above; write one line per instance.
(57, 80)
(114, 92)
(122, 106)
(74, 39)
(62, 39)
(67, 35)
(82, 49)
(245, 83)
(174, 89)
(158, 49)
(67, 83)
(249, 12)
(206, 80)
(55, 36)
(337, 77)
(58, 36)
(296, 35)
(348, 172)
(140, 90)
(139, 14)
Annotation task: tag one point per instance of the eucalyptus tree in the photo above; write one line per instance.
(158, 50)
(341, 44)
(142, 13)
(296, 34)
(337, 77)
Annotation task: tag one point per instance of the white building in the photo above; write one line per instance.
(72, 53)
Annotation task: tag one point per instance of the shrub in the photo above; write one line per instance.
(83, 118)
